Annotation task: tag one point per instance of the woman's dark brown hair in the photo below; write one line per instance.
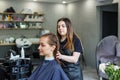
(70, 33)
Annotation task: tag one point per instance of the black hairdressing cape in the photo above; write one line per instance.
(48, 70)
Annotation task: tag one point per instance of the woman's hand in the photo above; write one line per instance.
(58, 55)
(72, 59)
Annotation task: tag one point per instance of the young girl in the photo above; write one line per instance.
(70, 49)
(50, 68)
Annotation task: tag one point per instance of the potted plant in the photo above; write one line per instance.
(113, 72)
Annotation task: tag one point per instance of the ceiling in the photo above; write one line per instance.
(53, 1)
(57, 1)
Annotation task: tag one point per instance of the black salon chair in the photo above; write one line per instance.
(2, 70)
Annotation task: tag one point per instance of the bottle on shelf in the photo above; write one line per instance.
(22, 53)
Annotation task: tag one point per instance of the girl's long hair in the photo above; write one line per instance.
(70, 34)
(53, 41)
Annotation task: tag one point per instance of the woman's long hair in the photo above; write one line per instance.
(53, 41)
(70, 33)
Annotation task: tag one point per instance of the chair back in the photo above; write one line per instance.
(106, 47)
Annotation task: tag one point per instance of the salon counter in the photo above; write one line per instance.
(5, 48)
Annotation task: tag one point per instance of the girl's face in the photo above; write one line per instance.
(62, 29)
(44, 48)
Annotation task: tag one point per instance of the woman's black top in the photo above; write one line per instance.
(73, 70)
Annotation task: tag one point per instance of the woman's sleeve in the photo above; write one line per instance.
(78, 46)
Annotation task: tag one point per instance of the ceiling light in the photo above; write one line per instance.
(34, 0)
(64, 2)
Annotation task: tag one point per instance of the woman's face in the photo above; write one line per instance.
(44, 48)
(62, 29)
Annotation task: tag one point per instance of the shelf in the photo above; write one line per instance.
(20, 20)
(12, 44)
(21, 28)
(20, 17)
(7, 44)
(14, 21)
(40, 14)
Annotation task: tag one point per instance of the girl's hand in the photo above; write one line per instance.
(58, 55)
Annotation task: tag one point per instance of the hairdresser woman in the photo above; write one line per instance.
(70, 49)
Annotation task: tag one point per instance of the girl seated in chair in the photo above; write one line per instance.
(50, 68)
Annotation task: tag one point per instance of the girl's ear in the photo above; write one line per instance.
(53, 47)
